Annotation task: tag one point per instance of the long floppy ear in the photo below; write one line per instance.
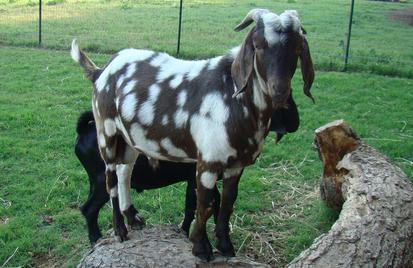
(307, 69)
(243, 65)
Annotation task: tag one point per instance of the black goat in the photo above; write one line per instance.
(145, 176)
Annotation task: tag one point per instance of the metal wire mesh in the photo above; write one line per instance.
(381, 39)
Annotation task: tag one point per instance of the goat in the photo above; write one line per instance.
(214, 112)
(144, 176)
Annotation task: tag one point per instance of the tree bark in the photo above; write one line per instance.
(375, 226)
(155, 246)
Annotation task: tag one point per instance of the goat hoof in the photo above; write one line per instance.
(183, 231)
(226, 248)
(137, 222)
(121, 232)
(202, 250)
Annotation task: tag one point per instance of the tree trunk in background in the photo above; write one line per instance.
(375, 226)
(154, 246)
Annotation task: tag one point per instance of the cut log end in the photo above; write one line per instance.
(375, 199)
(333, 141)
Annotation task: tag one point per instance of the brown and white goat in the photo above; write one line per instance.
(214, 112)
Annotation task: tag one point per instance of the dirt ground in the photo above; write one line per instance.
(404, 15)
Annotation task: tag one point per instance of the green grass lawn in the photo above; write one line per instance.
(379, 44)
(278, 212)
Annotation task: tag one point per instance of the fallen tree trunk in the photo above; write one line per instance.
(155, 246)
(375, 226)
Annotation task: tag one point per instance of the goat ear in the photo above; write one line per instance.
(307, 69)
(243, 65)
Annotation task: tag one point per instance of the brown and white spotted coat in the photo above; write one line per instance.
(214, 112)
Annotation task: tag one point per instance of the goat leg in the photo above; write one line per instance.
(111, 184)
(135, 221)
(190, 206)
(229, 195)
(90, 209)
(205, 198)
(118, 223)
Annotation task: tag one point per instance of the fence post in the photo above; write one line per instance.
(40, 22)
(179, 28)
(349, 35)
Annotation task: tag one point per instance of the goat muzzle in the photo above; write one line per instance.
(280, 95)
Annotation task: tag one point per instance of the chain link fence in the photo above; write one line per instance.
(381, 40)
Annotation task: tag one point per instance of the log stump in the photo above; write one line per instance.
(155, 246)
(375, 226)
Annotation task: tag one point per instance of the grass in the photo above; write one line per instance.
(379, 44)
(278, 212)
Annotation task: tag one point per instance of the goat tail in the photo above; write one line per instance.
(87, 64)
(83, 123)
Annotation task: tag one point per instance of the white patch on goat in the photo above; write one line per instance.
(97, 107)
(110, 167)
(170, 66)
(110, 127)
(117, 103)
(159, 59)
(208, 179)
(129, 87)
(124, 57)
(180, 117)
(131, 70)
(174, 83)
(272, 24)
(196, 69)
(172, 149)
(208, 129)
(211, 139)
(290, 20)
(140, 141)
(146, 112)
(114, 192)
(258, 96)
(124, 173)
(246, 113)
(130, 155)
(102, 140)
(231, 172)
(214, 106)
(109, 153)
(165, 120)
(129, 107)
(181, 99)
(120, 81)
(122, 128)
(250, 141)
(75, 51)
(234, 51)
(213, 63)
